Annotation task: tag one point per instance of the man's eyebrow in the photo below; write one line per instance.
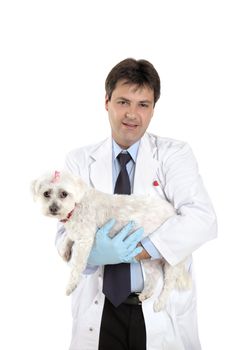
(127, 100)
(122, 98)
(145, 101)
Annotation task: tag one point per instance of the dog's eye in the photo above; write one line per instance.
(63, 194)
(46, 194)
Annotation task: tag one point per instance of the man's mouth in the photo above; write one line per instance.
(130, 125)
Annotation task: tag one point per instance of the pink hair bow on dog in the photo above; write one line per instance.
(56, 177)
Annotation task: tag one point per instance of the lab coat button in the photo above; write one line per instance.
(96, 302)
(91, 329)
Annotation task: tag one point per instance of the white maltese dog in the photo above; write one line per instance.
(83, 210)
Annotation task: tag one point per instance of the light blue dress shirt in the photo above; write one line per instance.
(137, 282)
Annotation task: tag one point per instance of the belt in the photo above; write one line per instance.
(133, 299)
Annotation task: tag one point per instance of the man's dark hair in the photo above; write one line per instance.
(139, 72)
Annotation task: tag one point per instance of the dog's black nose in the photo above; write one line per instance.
(54, 208)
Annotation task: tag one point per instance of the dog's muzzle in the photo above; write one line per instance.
(54, 208)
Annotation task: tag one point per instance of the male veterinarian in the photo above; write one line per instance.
(158, 166)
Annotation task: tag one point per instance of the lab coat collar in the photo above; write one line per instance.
(146, 166)
(145, 170)
(101, 167)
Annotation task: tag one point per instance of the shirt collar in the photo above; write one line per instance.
(132, 150)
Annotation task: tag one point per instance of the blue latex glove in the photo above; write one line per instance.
(116, 250)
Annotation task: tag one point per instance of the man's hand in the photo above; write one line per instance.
(116, 250)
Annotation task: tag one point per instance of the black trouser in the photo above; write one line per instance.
(122, 328)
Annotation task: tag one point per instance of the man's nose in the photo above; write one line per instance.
(131, 114)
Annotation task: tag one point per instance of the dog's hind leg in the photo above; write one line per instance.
(175, 277)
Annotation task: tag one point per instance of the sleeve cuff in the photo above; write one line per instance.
(150, 248)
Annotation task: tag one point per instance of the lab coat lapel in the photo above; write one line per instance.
(101, 167)
(146, 167)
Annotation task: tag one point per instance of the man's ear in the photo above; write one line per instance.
(106, 102)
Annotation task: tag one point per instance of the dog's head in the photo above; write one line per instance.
(58, 193)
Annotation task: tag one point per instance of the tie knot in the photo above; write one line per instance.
(124, 158)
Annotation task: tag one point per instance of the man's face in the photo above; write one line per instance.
(130, 110)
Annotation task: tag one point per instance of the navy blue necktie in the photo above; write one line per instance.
(116, 280)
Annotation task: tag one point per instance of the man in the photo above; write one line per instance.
(158, 166)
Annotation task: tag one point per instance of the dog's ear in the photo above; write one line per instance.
(35, 186)
(80, 189)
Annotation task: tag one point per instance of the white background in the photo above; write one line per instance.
(54, 57)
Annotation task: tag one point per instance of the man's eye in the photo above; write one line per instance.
(46, 194)
(122, 102)
(63, 194)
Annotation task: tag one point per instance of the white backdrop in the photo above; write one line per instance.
(54, 57)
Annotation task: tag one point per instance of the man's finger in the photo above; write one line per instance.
(132, 255)
(131, 248)
(135, 237)
(104, 230)
(124, 231)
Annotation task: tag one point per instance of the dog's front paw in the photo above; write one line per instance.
(65, 253)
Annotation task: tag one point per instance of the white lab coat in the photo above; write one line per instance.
(172, 164)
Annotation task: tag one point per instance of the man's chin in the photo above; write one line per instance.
(128, 140)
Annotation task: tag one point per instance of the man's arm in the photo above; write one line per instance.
(195, 220)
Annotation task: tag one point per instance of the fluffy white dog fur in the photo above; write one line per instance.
(83, 210)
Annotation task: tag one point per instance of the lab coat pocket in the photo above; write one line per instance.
(180, 301)
(188, 327)
(157, 189)
(85, 293)
(77, 296)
